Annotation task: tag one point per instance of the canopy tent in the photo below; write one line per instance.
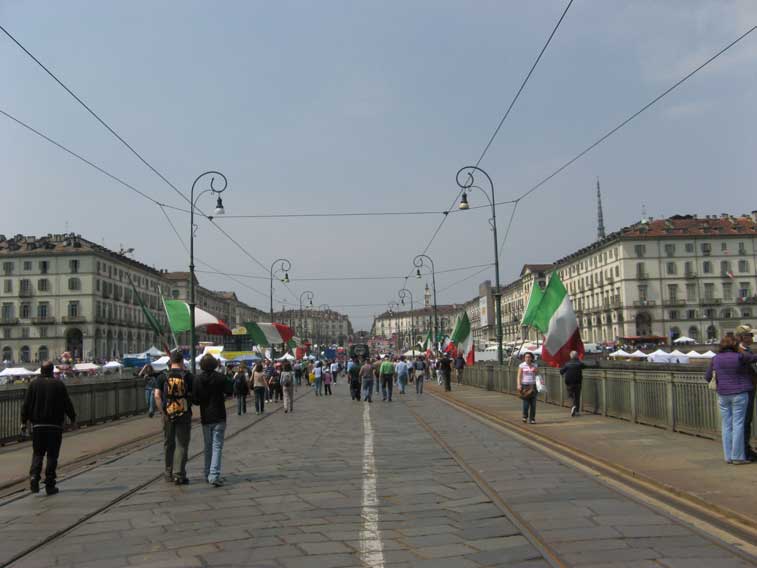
(659, 356)
(112, 365)
(694, 355)
(677, 356)
(86, 367)
(218, 356)
(683, 339)
(619, 353)
(161, 364)
(17, 372)
(708, 354)
(56, 370)
(638, 354)
(247, 359)
(154, 352)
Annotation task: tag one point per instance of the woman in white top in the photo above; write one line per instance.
(527, 387)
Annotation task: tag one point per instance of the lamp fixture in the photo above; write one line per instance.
(219, 207)
(464, 202)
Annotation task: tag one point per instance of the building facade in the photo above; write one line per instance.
(319, 327)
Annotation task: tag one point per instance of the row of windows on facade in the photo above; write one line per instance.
(43, 265)
(23, 332)
(678, 315)
(25, 354)
(43, 310)
(43, 285)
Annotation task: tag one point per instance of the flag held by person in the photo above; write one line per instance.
(462, 339)
(179, 316)
(267, 334)
(555, 318)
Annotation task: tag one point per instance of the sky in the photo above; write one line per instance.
(343, 106)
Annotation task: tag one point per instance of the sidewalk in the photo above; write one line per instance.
(691, 465)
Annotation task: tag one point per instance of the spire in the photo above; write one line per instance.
(427, 296)
(600, 217)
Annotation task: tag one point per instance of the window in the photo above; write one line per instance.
(27, 265)
(671, 268)
(175, 294)
(42, 310)
(640, 272)
(690, 247)
(43, 285)
(26, 310)
(727, 313)
(97, 285)
(25, 354)
(673, 291)
(74, 284)
(743, 266)
(688, 268)
(98, 266)
(7, 332)
(724, 246)
(709, 313)
(746, 313)
(74, 266)
(8, 286)
(673, 314)
(709, 291)
(706, 249)
(24, 333)
(43, 354)
(707, 267)
(43, 265)
(617, 272)
(8, 267)
(727, 291)
(640, 250)
(725, 267)
(743, 289)
(26, 286)
(73, 309)
(42, 331)
(670, 250)
(7, 313)
(643, 292)
(691, 292)
(742, 248)
(691, 314)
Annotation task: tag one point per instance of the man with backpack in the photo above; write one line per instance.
(173, 394)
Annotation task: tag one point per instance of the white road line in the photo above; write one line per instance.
(371, 547)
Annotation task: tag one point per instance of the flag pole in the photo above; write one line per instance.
(173, 335)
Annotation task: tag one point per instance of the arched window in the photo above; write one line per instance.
(43, 354)
(712, 332)
(675, 333)
(25, 354)
(7, 354)
(694, 332)
(74, 284)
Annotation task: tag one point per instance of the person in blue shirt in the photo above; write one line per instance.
(402, 369)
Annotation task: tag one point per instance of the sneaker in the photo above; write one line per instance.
(181, 481)
(34, 485)
(532, 421)
(217, 483)
(150, 414)
(573, 411)
(51, 489)
(740, 462)
(168, 477)
(525, 420)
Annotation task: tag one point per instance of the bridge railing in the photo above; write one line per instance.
(676, 400)
(96, 401)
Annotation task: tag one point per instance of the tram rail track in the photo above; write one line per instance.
(122, 496)
(722, 527)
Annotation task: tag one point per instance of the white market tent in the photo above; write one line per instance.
(683, 339)
(154, 352)
(708, 354)
(659, 356)
(694, 355)
(86, 367)
(677, 356)
(17, 372)
(112, 365)
(638, 354)
(619, 353)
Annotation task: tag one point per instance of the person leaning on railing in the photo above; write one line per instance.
(732, 371)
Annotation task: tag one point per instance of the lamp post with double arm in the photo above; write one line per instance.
(284, 265)
(403, 293)
(394, 308)
(309, 295)
(419, 262)
(219, 210)
(466, 181)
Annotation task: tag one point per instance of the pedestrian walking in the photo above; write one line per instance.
(173, 393)
(386, 372)
(353, 375)
(298, 370)
(318, 373)
(287, 386)
(241, 389)
(210, 395)
(150, 376)
(367, 374)
(334, 369)
(46, 405)
(731, 370)
(420, 368)
(459, 367)
(573, 373)
(259, 387)
(745, 336)
(403, 370)
(274, 386)
(328, 378)
(445, 366)
(526, 384)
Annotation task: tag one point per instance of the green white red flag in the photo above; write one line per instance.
(555, 318)
(179, 318)
(267, 334)
(462, 339)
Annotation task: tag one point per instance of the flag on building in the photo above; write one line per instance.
(533, 302)
(179, 318)
(555, 318)
(462, 339)
(267, 334)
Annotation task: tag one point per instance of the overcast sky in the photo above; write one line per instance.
(327, 106)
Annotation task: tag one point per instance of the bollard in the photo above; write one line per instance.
(490, 378)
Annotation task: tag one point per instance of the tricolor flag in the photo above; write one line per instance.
(179, 318)
(462, 338)
(267, 334)
(533, 304)
(555, 318)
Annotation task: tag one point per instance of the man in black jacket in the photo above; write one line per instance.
(573, 373)
(45, 406)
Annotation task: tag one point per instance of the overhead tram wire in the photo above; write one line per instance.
(504, 117)
(633, 116)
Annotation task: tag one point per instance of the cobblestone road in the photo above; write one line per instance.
(341, 483)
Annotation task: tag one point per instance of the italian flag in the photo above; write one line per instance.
(267, 334)
(180, 321)
(555, 318)
(462, 338)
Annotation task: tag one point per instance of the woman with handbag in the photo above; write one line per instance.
(731, 372)
(527, 387)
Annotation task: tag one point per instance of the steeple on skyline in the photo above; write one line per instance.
(600, 216)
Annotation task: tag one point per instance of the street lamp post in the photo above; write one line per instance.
(285, 265)
(466, 180)
(419, 261)
(394, 308)
(309, 295)
(403, 293)
(192, 228)
(321, 334)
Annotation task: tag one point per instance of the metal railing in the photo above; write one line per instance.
(679, 401)
(96, 401)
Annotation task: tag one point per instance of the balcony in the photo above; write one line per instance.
(675, 302)
(642, 276)
(690, 274)
(747, 300)
(644, 303)
(711, 301)
(43, 321)
(8, 321)
(25, 293)
(74, 319)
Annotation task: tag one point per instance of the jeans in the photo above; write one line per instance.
(241, 404)
(574, 392)
(259, 399)
(45, 441)
(288, 398)
(368, 390)
(419, 384)
(748, 417)
(355, 390)
(386, 387)
(213, 437)
(732, 413)
(176, 445)
(402, 381)
(150, 400)
(318, 386)
(459, 374)
(529, 407)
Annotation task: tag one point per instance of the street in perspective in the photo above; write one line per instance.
(423, 284)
